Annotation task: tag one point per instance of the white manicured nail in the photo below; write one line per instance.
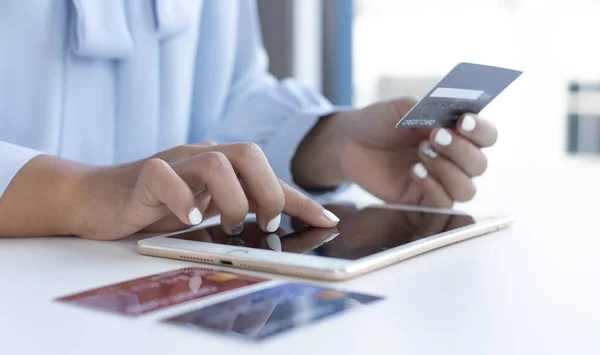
(273, 225)
(429, 152)
(468, 123)
(195, 216)
(330, 216)
(274, 242)
(420, 171)
(443, 137)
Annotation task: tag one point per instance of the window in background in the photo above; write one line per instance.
(402, 47)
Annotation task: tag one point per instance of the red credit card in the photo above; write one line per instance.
(151, 293)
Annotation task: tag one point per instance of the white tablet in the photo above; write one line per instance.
(366, 239)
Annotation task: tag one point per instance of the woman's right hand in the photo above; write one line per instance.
(181, 186)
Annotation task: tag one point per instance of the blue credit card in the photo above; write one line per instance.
(468, 88)
(272, 311)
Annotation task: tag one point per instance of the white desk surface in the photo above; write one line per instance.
(520, 291)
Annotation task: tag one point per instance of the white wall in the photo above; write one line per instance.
(551, 44)
(552, 41)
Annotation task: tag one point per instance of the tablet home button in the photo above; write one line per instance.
(237, 252)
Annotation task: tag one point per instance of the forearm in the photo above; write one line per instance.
(43, 198)
(317, 162)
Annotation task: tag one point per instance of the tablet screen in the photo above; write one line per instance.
(360, 232)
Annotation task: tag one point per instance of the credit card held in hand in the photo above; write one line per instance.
(466, 88)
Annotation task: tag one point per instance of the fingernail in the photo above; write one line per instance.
(331, 216)
(468, 123)
(428, 151)
(443, 137)
(237, 229)
(420, 171)
(273, 225)
(195, 216)
(274, 242)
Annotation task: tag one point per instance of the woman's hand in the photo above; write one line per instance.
(179, 187)
(408, 166)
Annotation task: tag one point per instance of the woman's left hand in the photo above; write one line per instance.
(408, 166)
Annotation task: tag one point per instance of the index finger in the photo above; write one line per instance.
(478, 130)
(299, 206)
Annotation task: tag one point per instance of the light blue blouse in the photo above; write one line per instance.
(111, 81)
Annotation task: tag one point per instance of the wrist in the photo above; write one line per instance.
(318, 159)
(96, 195)
(78, 187)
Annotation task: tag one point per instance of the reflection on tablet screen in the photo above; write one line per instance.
(360, 232)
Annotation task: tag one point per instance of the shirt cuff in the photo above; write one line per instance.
(12, 159)
(282, 147)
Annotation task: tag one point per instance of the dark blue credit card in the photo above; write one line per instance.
(468, 88)
(271, 311)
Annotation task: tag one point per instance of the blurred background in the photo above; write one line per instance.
(360, 51)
